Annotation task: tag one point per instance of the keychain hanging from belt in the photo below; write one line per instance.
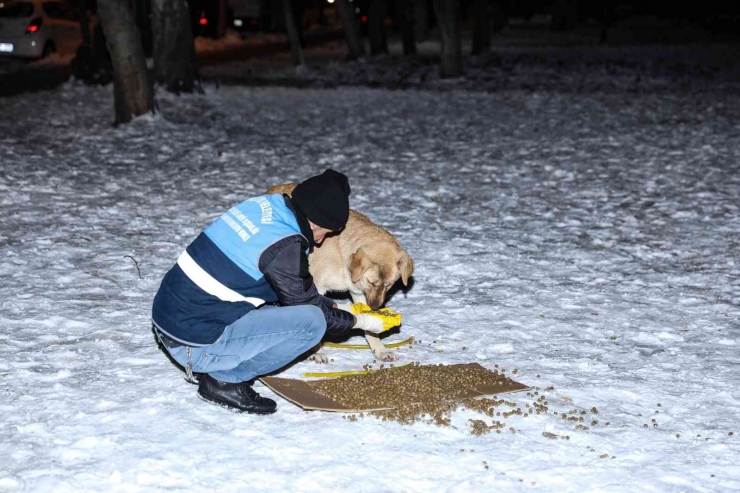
(189, 377)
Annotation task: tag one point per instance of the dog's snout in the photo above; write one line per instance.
(375, 304)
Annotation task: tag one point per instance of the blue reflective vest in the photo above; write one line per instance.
(228, 251)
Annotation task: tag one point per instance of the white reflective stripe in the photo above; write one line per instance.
(209, 284)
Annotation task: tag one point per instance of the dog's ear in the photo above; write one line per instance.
(406, 267)
(358, 264)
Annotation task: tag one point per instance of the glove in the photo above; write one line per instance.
(368, 323)
(387, 317)
(346, 307)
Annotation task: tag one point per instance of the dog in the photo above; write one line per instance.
(364, 259)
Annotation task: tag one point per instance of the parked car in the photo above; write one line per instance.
(36, 28)
(245, 15)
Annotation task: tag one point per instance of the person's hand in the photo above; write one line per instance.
(368, 323)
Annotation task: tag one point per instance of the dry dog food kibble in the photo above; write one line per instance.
(416, 392)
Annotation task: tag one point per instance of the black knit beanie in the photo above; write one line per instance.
(324, 199)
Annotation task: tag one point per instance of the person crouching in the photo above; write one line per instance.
(240, 301)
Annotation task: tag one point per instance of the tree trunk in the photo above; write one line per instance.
(500, 15)
(223, 18)
(481, 27)
(451, 56)
(564, 15)
(376, 27)
(82, 13)
(143, 19)
(132, 88)
(175, 65)
(405, 16)
(607, 16)
(421, 19)
(351, 29)
(295, 40)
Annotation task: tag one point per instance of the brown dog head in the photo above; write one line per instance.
(374, 269)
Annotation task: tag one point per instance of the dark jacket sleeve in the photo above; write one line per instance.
(285, 267)
(327, 301)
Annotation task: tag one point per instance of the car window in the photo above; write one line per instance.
(69, 12)
(52, 10)
(59, 10)
(16, 9)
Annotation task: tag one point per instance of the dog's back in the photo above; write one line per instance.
(283, 189)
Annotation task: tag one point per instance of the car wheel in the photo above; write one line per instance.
(49, 48)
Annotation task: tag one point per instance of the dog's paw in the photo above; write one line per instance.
(385, 355)
(319, 358)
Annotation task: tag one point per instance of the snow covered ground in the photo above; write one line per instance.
(591, 241)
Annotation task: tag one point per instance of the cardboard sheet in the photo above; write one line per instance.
(303, 393)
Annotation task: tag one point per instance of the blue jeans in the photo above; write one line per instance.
(260, 342)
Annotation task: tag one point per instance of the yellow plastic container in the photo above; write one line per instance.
(389, 317)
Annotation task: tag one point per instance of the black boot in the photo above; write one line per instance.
(238, 397)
